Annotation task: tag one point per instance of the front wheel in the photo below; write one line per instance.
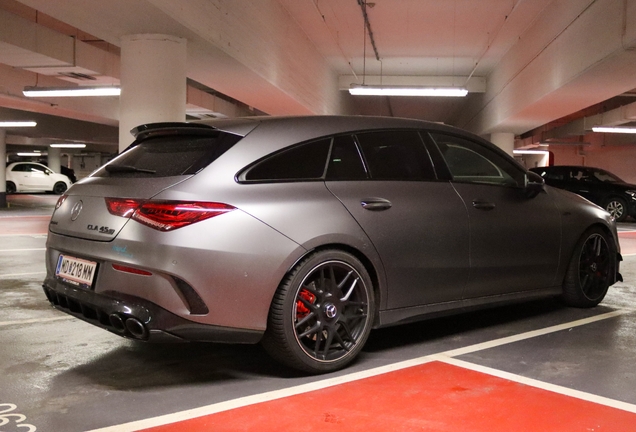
(591, 270)
(321, 314)
(617, 207)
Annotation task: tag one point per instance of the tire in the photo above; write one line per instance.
(591, 270)
(10, 188)
(617, 207)
(59, 188)
(321, 314)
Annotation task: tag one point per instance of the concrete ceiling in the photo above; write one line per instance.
(534, 61)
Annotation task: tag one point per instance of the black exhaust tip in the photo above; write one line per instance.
(136, 328)
(117, 322)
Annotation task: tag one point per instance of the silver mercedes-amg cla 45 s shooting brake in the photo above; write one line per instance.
(304, 233)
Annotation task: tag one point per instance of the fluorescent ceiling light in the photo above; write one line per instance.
(614, 129)
(68, 145)
(543, 152)
(71, 91)
(17, 124)
(359, 90)
(30, 154)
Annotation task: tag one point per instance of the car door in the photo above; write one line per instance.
(36, 178)
(514, 240)
(418, 225)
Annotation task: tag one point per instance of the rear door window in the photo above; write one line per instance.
(396, 155)
(345, 161)
(168, 156)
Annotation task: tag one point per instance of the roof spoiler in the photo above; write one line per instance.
(171, 128)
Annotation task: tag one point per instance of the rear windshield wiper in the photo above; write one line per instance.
(127, 169)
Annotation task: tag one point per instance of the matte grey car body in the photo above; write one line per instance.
(325, 227)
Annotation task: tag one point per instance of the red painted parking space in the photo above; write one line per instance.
(24, 225)
(627, 239)
(432, 397)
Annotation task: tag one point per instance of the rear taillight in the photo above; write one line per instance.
(122, 207)
(166, 215)
(60, 201)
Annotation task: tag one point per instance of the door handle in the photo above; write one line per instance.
(483, 205)
(375, 204)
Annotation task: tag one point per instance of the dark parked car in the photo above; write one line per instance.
(305, 233)
(599, 186)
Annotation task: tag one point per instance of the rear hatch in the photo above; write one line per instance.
(162, 156)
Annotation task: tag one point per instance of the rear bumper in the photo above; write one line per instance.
(136, 318)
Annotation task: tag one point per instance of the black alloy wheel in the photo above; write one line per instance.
(59, 188)
(591, 271)
(322, 313)
(617, 207)
(10, 188)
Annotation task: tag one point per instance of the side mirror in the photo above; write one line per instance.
(534, 184)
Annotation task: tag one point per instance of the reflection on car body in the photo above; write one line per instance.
(599, 186)
(304, 233)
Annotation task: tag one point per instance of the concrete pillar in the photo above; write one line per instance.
(54, 159)
(153, 82)
(3, 166)
(504, 140)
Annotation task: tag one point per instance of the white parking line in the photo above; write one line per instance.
(540, 384)
(37, 320)
(330, 382)
(3, 276)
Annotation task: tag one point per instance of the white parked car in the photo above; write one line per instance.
(35, 177)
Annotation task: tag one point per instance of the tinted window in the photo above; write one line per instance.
(553, 174)
(20, 168)
(303, 162)
(396, 155)
(469, 161)
(169, 156)
(345, 162)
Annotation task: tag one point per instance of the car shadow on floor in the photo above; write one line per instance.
(137, 366)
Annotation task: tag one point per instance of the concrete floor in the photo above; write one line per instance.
(61, 374)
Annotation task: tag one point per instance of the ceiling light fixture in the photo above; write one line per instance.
(68, 145)
(17, 124)
(366, 90)
(542, 152)
(71, 91)
(614, 129)
(30, 154)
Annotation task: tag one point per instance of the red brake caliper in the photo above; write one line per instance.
(301, 310)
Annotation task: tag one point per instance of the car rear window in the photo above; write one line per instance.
(167, 156)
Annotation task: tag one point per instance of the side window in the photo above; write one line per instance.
(396, 155)
(36, 169)
(303, 162)
(19, 168)
(345, 162)
(469, 161)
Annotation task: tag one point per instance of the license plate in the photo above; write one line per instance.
(75, 270)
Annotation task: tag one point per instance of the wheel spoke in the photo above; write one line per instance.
(328, 342)
(307, 303)
(344, 280)
(303, 321)
(342, 342)
(310, 331)
(351, 288)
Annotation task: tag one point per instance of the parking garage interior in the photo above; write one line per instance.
(541, 78)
